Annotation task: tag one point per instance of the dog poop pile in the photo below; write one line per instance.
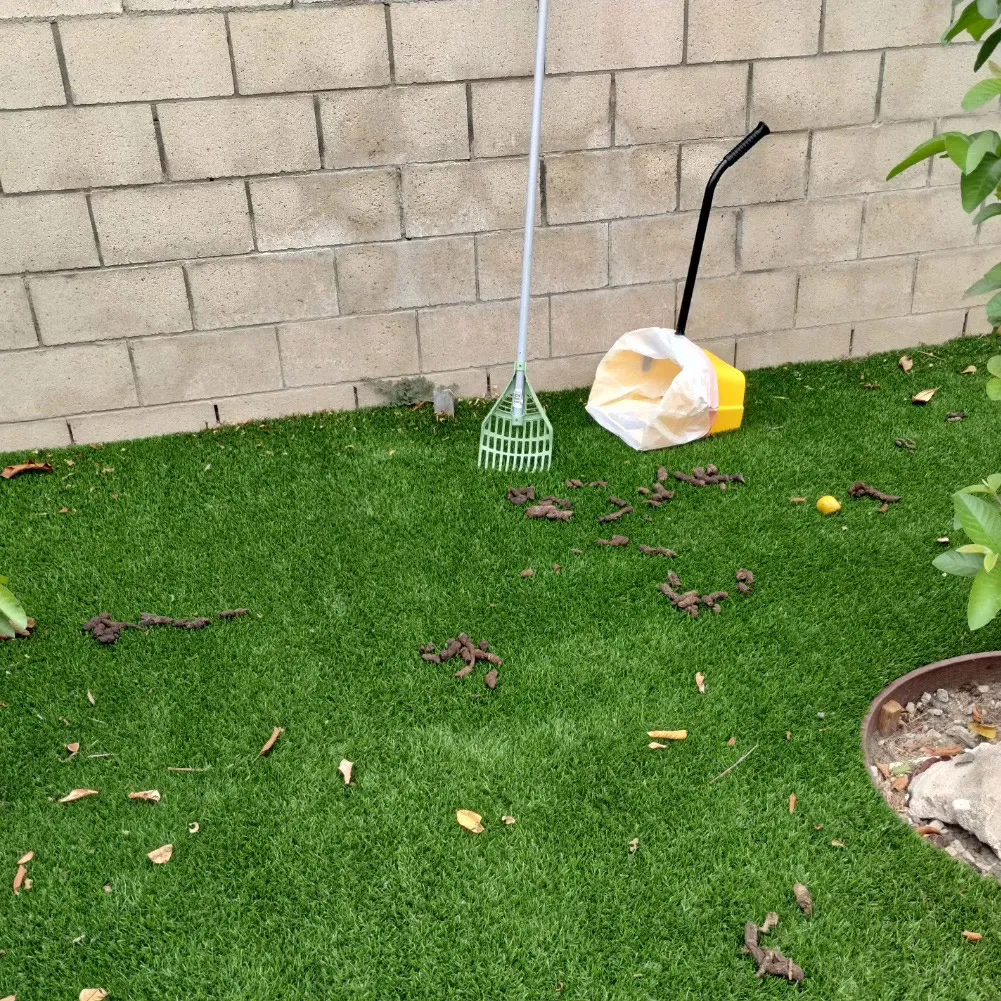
(689, 601)
(471, 653)
(106, 630)
(552, 508)
(709, 476)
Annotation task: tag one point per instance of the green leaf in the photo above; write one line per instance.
(994, 482)
(983, 143)
(971, 20)
(994, 390)
(991, 42)
(988, 9)
(994, 365)
(959, 564)
(930, 147)
(980, 93)
(981, 521)
(990, 282)
(6, 629)
(990, 561)
(994, 309)
(978, 185)
(957, 146)
(11, 608)
(987, 212)
(985, 599)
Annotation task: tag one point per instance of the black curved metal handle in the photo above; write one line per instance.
(751, 139)
(745, 144)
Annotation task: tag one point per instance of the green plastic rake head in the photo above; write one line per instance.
(510, 441)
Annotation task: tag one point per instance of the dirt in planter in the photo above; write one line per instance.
(936, 727)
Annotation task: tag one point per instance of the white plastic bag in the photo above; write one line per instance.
(655, 389)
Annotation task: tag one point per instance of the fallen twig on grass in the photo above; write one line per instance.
(727, 771)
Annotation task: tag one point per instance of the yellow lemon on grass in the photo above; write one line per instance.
(828, 505)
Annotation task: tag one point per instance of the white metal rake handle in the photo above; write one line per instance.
(518, 402)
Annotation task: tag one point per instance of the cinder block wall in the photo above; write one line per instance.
(220, 210)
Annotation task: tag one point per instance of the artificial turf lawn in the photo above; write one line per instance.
(356, 537)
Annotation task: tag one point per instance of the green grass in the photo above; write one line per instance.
(354, 538)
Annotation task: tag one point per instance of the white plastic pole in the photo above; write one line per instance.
(518, 403)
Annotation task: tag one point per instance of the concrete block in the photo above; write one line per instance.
(720, 30)
(17, 328)
(788, 234)
(78, 148)
(551, 374)
(185, 5)
(443, 198)
(285, 403)
(146, 58)
(588, 322)
(880, 24)
(742, 304)
(50, 382)
(234, 291)
(775, 171)
(245, 135)
(872, 336)
(901, 222)
(782, 347)
(454, 337)
(57, 8)
(29, 69)
(142, 422)
(101, 305)
(684, 102)
(33, 435)
(165, 222)
(942, 279)
(926, 83)
(659, 248)
(611, 184)
(857, 290)
(853, 161)
(45, 233)
(462, 39)
(565, 259)
(587, 35)
(575, 114)
(349, 347)
(816, 92)
(321, 210)
(363, 128)
(405, 274)
(200, 366)
(319, 49)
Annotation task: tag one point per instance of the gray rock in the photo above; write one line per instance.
(911, 708)
(983, 689)
(967, 795)
(925, 698)
(942, 695)
(935, 712)
(961, 735)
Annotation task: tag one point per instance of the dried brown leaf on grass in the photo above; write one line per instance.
(76, 794)
(161, 855)
(771, 921)
(803, 898)
(668, 734)
(509, 820)
(634, 845)
(146, 795)
(529, 572)
(905, 363)
(345, 768)
(838, 844)
(986, 730)
(969, 370)
(654, 746)
(792, 802)
(26, 467)
(925, 396)
(732, 742)
(10, 997)
(74, 750)
(93, 994)
(194, 827)
(90, 698)
(189, 769)
(797, 500)
(972, 936)
(272, 740)
(700, 682)
(22, 871)
(469, 821)
(25, 858)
